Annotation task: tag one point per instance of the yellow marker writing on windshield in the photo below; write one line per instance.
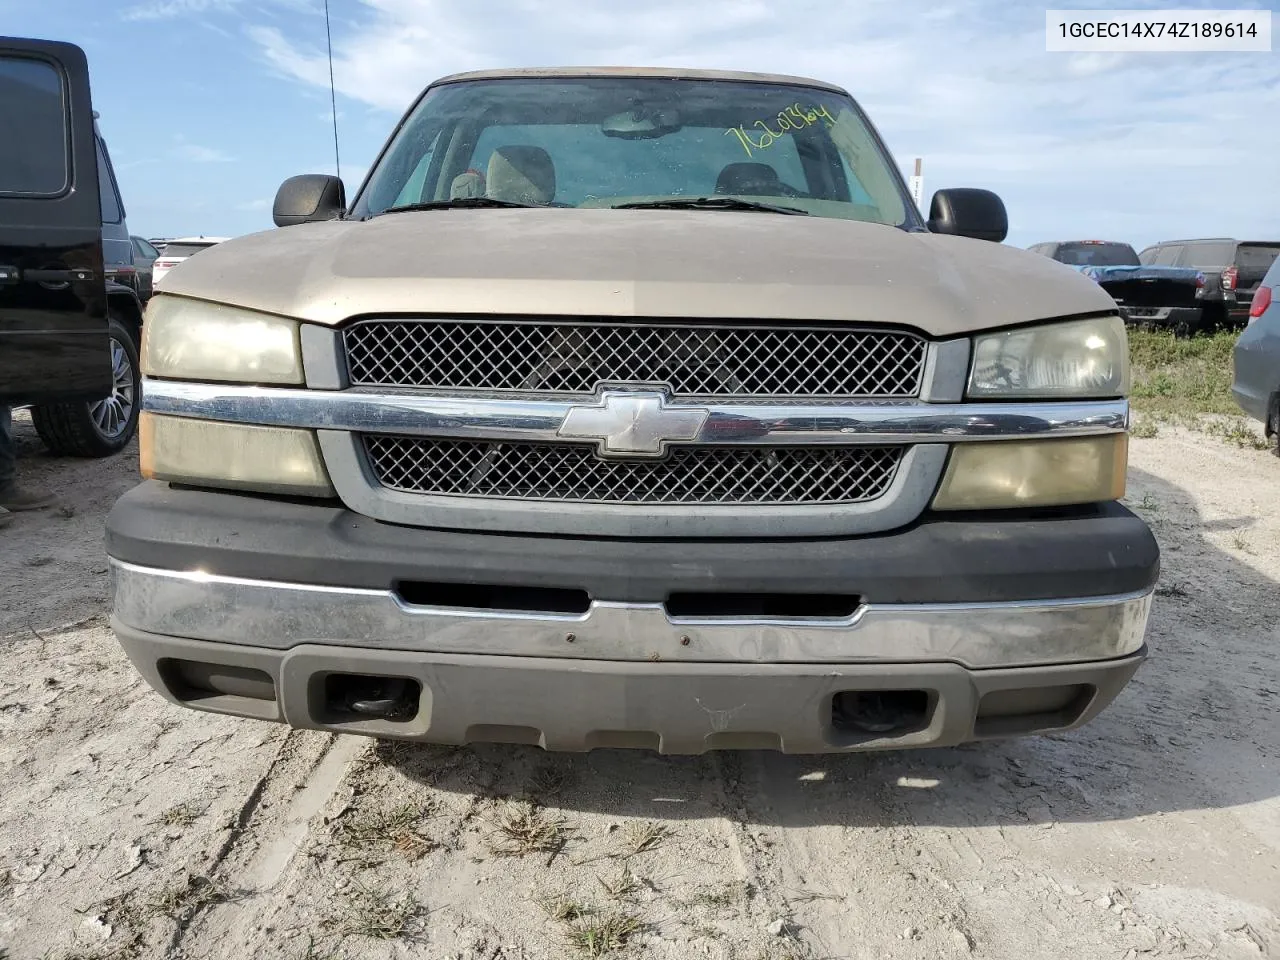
(763, 136)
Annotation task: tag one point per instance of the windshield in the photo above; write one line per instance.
(607, 141)
(1097, 255)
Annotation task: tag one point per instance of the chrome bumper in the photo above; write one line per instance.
(278, 616)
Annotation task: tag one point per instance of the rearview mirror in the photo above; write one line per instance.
(308, 198)
(969, 212)
(641, 123)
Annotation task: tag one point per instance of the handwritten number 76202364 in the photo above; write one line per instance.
(762, 135)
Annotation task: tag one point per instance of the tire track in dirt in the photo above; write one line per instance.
(271, 826)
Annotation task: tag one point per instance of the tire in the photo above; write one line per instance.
(103, 427)
(1213, 319)
(1273, 425)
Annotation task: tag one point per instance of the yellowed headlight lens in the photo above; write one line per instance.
(185, 339)
(1035, 473)
(1078, 359)
(232, 455)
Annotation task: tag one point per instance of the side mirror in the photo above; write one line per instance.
(310, 197)
(969, 212)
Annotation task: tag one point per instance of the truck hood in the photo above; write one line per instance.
(635, 263)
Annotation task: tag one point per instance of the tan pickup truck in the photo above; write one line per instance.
(640, 408)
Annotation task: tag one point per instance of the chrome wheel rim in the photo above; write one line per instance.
(111, 414)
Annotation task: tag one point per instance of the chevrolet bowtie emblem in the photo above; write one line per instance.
(628, 423)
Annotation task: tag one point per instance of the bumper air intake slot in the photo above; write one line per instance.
(483, 596)
(220, 687)
(771, 606)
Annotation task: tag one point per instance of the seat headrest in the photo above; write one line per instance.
(521, 174)
(758, 179)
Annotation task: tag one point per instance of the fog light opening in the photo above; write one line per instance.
(374, 697)
(880, 713)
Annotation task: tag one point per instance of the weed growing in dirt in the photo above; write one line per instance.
(1171, 590)
(705, 931)
(722, 896)
(1144, 429)
(182, 901)
(522, 828)
(789, 948)
(398, 830)
(1234, 430)
(562, 908)
(809, 896)
(378, 913)
(548, 781)
(183, 815)
(1149, 503)
(622, 886)
(315, 952)
(1241, 544)
(128, 917)
(598, 934)
(642, 837)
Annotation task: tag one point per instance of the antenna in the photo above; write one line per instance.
(333, 95)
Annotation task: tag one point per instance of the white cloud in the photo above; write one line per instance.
(1070, 139)
(260, 204)
(168, 9)
(197, 153)
(174, 9)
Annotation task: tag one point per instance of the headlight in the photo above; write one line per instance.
(231, 455)
(1034, 473)
(195, 340)
(1080, 359)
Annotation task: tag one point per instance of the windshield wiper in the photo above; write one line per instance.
(708, 203)
(458, 203)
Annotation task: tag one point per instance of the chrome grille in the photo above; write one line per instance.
(566, 472)
(566, 357)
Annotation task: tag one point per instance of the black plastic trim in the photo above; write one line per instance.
(1101, 550)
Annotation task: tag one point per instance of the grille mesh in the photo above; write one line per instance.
(573, 473)
(695, 361)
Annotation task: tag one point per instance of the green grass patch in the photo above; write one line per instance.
(1177, 379)
(1187, 382)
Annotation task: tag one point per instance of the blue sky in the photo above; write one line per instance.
(208, 104)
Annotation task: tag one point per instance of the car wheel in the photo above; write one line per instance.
(1273, 425)
(102, 427)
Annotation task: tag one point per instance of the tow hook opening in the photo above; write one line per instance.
(350, 696)
(880, 713)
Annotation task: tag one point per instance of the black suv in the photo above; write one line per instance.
(70, 311)
(1232, 269)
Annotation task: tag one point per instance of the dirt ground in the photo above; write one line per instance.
(133, 829)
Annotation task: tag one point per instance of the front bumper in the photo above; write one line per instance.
(1189, 317)
(253, 606)
(576, 705)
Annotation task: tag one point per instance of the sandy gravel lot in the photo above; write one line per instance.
(133, 829)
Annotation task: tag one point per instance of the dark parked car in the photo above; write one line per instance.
(1232, 269)
(144, 258)
(1257, 357)
(70, 314)
(1157, 295)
